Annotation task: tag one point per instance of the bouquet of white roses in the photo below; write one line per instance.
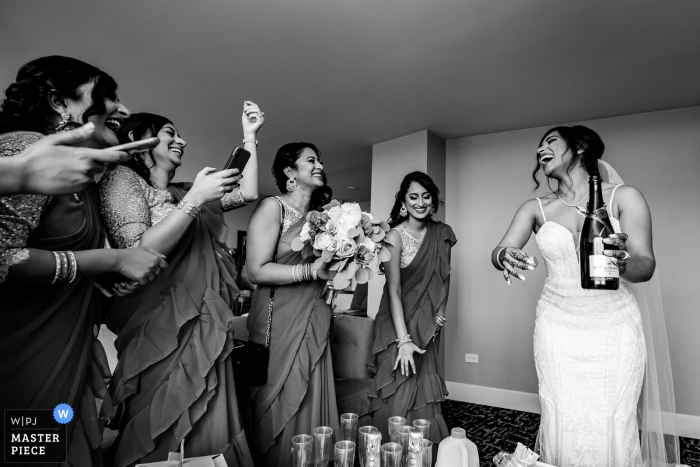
(352, 240)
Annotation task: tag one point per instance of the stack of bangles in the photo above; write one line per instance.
(440, 321)
(403, 340)
(188, 208)
(303, 272)
(66, 267)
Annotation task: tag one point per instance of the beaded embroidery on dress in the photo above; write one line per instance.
(410, 247)
(590, 356)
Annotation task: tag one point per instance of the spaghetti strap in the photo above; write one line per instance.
(612, 195)
(542, 209)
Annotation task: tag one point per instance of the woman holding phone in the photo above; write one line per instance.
(175, 336)
(51, 247)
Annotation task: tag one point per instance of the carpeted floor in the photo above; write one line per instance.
(493, 430)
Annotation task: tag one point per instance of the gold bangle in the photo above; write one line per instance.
(73, 266)
(58, 267)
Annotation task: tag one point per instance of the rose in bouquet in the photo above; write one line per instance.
(352, 241)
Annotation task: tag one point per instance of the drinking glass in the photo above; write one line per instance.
(414, 454)
(302, 451)
(427, 447)
(323, 445)
(344, 454)
(424, 426)
(394, 424)
(348, 427)
(391, 455)
(403, 434)
(369, 439)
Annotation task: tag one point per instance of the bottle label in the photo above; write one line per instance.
(603, 266)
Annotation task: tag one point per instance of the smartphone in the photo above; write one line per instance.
(142, 144)
(237, 160)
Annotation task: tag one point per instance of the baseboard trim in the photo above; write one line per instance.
(687, 426)
(495, 397)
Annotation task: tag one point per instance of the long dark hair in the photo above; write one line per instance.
(287, 156)
(577, 138)
(423, 180)
(26, 105)
(140, 125)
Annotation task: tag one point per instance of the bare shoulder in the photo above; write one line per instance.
(531, 207)
(626, 194)
(394, 237)
(268, 209)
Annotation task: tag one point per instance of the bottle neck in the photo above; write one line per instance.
(595, 194)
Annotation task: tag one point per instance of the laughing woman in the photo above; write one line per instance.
(408, 379)
(50, 250)
(299, 394)
(175, 337)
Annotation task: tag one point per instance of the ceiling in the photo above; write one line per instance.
(349, 74)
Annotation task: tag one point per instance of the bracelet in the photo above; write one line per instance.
(308, 272)
(403, 340)
(188, 208)
(64, 267)
(73, 264)
(498, 257)
(251, 142)
(314, 275)
(58, 268)
(294, 273)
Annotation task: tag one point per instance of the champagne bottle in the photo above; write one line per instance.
(597, 270)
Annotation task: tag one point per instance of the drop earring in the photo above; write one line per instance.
(403, 212)
(291, 185)
(63, 123)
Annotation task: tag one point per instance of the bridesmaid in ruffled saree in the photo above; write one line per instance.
(412, 312)
(299, 394)
(51, 247)
(175, 337)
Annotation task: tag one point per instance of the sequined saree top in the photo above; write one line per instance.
(130, 206)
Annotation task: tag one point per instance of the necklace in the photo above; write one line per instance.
(577, 206)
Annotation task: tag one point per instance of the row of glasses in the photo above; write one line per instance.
(409, 445)
(315, 451)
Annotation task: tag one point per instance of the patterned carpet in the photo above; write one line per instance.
(493, 429)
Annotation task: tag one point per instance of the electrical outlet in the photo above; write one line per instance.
(471, 358)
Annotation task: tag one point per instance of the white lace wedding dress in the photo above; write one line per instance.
(590, 356)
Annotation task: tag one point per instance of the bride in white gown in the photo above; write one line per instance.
(590, 345)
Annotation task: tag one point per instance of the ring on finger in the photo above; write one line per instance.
(625, 256)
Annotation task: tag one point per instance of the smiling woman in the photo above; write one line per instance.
(592, 347)
(50, 250)
(177, 332)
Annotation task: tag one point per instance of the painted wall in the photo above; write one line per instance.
(488, 178)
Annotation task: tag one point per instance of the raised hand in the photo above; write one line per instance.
(252, 119)
(211, 185)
